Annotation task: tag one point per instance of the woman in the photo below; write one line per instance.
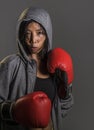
(26, 71)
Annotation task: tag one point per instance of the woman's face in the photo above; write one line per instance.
(35, 37)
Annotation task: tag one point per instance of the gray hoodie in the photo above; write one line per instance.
(18, 76)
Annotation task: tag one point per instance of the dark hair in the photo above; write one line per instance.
(21, 36)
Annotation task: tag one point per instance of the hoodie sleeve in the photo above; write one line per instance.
(5, 79)
(60, 110)
(66, 104)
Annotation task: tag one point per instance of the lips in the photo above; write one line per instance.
(34, 48)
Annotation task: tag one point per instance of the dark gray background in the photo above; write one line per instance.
(73, 28)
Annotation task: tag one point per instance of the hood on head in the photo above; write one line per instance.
(42, 17)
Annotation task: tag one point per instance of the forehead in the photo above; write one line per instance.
(34, 25)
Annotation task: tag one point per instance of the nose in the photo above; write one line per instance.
(33, 38)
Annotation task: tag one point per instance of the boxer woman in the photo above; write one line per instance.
(26, 72)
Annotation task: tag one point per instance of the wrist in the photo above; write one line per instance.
(64, 92)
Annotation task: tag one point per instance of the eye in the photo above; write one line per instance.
(27, 34)
(41, 32)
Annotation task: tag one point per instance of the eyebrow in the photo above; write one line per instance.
(40, 29)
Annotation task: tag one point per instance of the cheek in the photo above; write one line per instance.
(42, 42)
(27, 42)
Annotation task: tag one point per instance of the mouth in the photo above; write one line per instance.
(34, 48)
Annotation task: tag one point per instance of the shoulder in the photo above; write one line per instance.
(9, 60)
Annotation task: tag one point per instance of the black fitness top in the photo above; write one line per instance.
(46, 85)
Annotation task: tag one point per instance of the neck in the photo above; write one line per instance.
(35, 57)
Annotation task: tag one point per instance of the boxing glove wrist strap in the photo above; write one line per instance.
(69, 91)
(6, 108)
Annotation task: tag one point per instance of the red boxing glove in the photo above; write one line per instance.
(59, 59)
(33, 110)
